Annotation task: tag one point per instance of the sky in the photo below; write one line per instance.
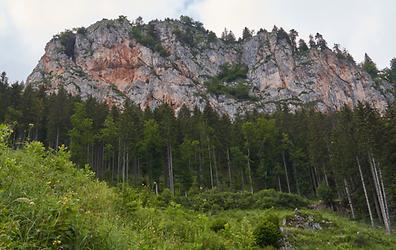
(361, 26)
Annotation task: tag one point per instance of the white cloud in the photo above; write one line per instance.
(2, 24)
(3, 20)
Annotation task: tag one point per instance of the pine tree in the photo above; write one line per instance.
(369, 66)
(81, 135)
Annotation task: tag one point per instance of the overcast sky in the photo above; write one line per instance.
(361, 26)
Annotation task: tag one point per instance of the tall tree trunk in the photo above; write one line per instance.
(92, 156)
(312, 175)
(249, 171)
(14, 140)
(170, 171)
(279, 184)
(57, 138)
(325, 176)
(119, 159)
(123, 163)
(210, 167)
(138, 169)
(349, 198)
(215, 167)
(379, 193)
(87, 154)
(384, 194)
(377, 208)
(242, 180)
(156, 188)
(365, 192)
(95, 159)
(295, 179)
(287, 175)
(103, 161)
(229, 168)
(200, 168)
(112, 167)
(316, 177)
(127, 165)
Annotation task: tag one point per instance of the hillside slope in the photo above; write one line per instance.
(180, 63)
(47, 203)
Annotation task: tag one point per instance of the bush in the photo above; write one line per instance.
(361, 241)
(240, 91)
(212, 244)
(165, 198)
(186, 37)
(267, 234)
(230, 73)
(212, 37)
(268, 198)
(81, 30)
(216, 201)
(325, 193)
(68, 40)
(272, 217)
(5, 132)
(147, 36)
(218, 224)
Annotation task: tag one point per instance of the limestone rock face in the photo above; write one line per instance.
(170, 61)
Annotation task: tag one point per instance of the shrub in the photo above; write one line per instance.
(267, 234)
(273, 218)
(240, 91)
(212, 244)
(217, 201)
(325, 193)
(165, 198)
(268, 198)
(282, 35)
(192, 33)
(5, 132)
(218, 224)
(81, 30)
(230, 73)
(361, 240)
(68, 40)
(212, 37)
(147, 36)
(186, 37)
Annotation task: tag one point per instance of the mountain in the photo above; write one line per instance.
(180, 63)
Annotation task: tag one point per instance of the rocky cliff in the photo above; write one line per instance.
(180, 63)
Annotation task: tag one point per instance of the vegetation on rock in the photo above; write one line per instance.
(146, 35)
(68, 40)
(230, 74)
